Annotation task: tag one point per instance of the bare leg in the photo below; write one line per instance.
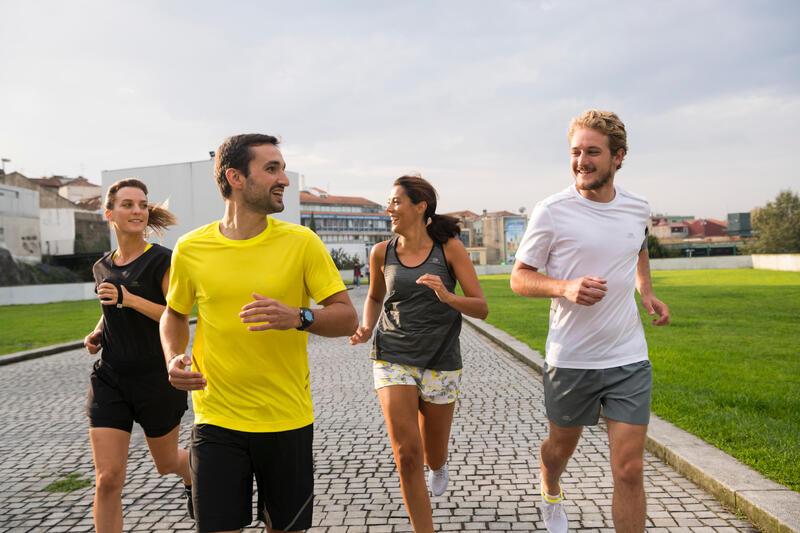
(629, 507)
(435, 421)
(557, 448)
(400, 404)
(168, 458)
(110, 453)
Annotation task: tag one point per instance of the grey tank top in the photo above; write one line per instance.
(415, 328)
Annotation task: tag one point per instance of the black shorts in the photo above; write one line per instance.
(223, 462)
(116, 401)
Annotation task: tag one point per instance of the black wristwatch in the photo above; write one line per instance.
(306, 318)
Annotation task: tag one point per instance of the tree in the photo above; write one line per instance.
(312, 224)
(342, 259)
(654, 248)
(776, 226)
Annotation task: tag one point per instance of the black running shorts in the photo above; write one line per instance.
(116, 401)
(223, 462)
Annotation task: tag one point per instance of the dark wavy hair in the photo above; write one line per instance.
(158, 218)
(440, 227)
(235, 152)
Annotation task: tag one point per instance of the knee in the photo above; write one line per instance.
(629, 472)
(409, 457)
(166, 465)
(557, 449)
(110, 482)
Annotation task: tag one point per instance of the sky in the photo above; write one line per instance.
(475, 96)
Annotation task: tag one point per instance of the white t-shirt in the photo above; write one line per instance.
(569, 236)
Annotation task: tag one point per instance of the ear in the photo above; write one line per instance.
(618, 157)
(421, 207)
(235, 178)
(107, 214)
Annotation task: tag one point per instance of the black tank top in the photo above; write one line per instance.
(415, 328)
(131, 343)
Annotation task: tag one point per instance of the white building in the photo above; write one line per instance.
(193, 195)
(19, 223)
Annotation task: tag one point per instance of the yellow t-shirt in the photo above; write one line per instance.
(257, 381)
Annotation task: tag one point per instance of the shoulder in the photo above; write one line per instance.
(104, 262)
(633, 198)
(201, 233)
(288, 229)
(380, 248)
(161, 251)
(558, 198)
(453, 244)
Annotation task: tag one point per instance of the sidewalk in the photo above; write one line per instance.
(498, 426)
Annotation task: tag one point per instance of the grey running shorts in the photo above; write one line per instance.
(574, 397)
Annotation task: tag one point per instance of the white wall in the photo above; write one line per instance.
(193, 194)
(19, 223)
(777, 262)
(702, 263)
(58, 231)
(40, 294)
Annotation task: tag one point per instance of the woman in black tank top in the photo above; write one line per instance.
(129, 383)
(417, 335)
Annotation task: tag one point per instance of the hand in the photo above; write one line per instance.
(362, 334)
(92, 342)
(587, 290)
(269, 314)
(181, 378)
(107, 293)
(434, 283)
(654, 306)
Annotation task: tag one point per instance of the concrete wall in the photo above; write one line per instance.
(193, 194)
(58, 231)
(702, 263)
(777, 262)
(19, 223)
(40, 294)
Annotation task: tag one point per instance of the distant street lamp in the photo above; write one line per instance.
(4, 160)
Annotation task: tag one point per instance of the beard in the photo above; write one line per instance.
(262, 201)
(598, 183)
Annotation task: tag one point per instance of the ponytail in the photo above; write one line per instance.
(443, 227)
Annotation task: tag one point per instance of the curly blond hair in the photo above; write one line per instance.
(605, 122)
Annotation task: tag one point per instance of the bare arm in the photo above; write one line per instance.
(377, 292)
(337, 318)
(107, 292)
(92, 342)
(527, 281)
(174, 329)
(644, 285)
(472, 303)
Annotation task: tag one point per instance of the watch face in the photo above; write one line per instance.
(308, 316)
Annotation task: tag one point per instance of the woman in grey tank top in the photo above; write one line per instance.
(416, 353)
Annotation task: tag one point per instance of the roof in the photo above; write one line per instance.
(309, 198)
(503, 214)
(466, 214)
(93, 203)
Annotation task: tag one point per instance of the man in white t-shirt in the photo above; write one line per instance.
(590, 240)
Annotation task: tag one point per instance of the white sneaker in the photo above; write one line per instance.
(553, 514)
(438, 479)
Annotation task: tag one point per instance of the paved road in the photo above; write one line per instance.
(498, 427)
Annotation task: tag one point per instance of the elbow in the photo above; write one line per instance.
(483, 312)
(352, 324)
(516, 287)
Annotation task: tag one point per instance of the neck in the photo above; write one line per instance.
(416, 238)
(129, 246)
(240, 223)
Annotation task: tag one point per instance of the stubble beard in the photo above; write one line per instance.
(597, 184)
(261, 203)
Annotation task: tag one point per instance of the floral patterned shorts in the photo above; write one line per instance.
(434, 386)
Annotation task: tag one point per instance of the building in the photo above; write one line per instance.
(351, 223)
(191, 193)
(491, 238)
(65, 229)
(73, 189)
(739, 225)
(19, 223)
(690, 237)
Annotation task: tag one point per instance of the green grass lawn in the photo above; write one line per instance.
(23, 327)
(728, 367)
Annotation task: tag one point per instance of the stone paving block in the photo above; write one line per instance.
(498, 427)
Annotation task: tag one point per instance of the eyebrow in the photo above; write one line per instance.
(273, 162)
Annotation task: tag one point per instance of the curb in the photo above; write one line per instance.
(36, 353)
(772, 507)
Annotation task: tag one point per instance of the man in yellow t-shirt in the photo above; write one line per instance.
(252, 278)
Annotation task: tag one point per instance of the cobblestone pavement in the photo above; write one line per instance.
(497, 430)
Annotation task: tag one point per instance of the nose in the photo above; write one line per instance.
(582, 159)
